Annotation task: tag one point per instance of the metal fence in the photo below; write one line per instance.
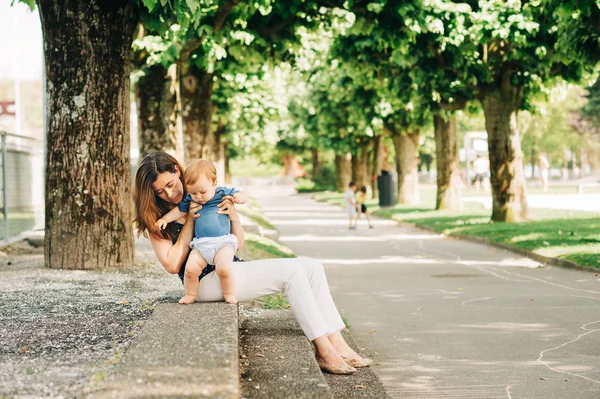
(22, 200)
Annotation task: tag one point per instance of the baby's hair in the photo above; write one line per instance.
(363, 189)
(200, 167)
(351, 184)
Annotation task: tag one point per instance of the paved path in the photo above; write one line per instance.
(450, 319)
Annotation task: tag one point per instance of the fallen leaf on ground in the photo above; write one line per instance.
(359, 386)
(532, 299)
(372, 331)
(122, 303)
(243, 356)
(260, 355)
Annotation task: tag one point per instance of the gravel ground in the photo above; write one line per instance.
(61, 331)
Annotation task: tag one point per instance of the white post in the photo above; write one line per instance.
(16, 71)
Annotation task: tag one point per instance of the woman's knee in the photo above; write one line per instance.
(311, 265)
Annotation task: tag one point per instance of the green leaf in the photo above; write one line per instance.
(193, 5)
(30, 3)
(150, 4)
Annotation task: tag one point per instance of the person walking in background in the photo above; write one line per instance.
(481, 167)
(544, 170)
(361, 197)
(351, 205)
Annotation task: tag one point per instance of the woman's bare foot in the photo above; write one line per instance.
(333, 363)
(230, 298)
(342, 348)
(187, 299)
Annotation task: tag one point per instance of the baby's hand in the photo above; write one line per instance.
(240, 198)
(161, 223)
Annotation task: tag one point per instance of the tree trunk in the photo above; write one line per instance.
(359, 165)
(534, 160)
(342, 172)
(448, 175)
(317, 164)
(406, 166)
(377, 163)
(227, 165)
(157, 112)
(506, 158)
(197, 111)
(88, 177)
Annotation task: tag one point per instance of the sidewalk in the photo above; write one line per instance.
(445, 318)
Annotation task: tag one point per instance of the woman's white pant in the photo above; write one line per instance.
(302, 280)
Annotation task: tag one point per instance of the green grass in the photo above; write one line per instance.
(309, 186)
(564, 234)
(256, 215)
(253, 167)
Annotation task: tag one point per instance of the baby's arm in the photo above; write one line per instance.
(240, 197)
(169, 217)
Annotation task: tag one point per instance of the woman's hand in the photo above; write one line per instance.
(193, 212)
(227, 207)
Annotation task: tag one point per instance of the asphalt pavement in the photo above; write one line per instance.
(445, 318)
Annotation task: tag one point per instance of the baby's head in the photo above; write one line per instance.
(363, 190)
(201, 180)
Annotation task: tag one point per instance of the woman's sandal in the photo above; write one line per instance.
(343, 370)
(364, 362)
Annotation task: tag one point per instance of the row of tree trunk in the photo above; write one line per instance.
(506, 160)
(88, 61)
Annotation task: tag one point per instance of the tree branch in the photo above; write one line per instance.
(222, 13)
(278, 27)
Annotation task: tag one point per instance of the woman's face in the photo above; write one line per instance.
(168, 187)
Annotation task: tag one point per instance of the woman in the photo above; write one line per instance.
(159, 186)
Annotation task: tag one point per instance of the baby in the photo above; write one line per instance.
(213, 243)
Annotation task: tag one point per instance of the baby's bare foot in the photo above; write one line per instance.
(230, 298)
(187, 299)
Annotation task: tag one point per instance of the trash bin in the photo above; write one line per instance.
(388, 190)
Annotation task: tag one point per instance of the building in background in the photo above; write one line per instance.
(21, 118)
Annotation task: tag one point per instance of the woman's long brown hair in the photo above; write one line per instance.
(149, 207)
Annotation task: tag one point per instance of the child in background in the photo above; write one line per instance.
(361, 197)
(213, 243)
(351, 206)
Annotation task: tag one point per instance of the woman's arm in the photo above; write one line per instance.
(171, 256)
(227, 207)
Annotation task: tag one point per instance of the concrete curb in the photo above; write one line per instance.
(277, 359)
(182, 351)
(547, 260)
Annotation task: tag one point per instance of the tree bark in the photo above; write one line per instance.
(87, 50)
(406, 166)
(227, 164)
(197, 111)
(359, 165)
(317, 164)
(342, 172)
(500, 108)
(448, 175)
(157, 112)
(377, 163)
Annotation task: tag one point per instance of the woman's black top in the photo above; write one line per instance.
(175, 229)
